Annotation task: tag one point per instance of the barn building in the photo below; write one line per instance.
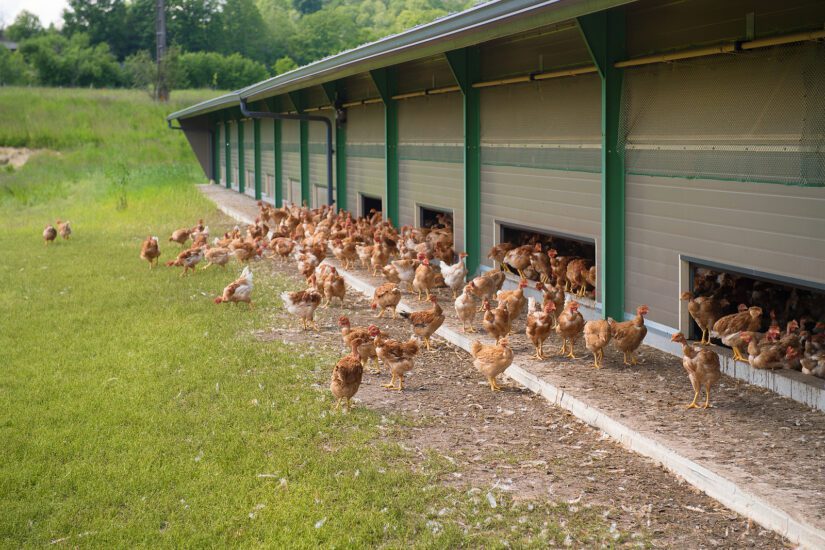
(664, 138)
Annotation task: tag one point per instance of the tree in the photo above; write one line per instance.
(284, 65)
(61, 61)
(103, 21)
(244, 31)
(307, 6)
(13, 69)
(326, 32)
(26, 25)
(141, 71)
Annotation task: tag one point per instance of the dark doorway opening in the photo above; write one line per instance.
(369, 205)
(434, 218)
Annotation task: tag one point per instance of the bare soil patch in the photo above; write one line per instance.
(517, 442)
(16, 157)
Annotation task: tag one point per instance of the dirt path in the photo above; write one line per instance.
(517, 442)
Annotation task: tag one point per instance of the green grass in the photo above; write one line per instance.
(134, 412)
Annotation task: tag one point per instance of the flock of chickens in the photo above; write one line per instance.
(50, 233)
(419, 260)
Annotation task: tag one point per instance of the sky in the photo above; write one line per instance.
(49, 11)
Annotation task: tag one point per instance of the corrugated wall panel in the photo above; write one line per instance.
(249, 155)
(431, 169)
(777, 229)
(233, 147)
(292, 160)
(318, 159)
(268, 157)
(541, 158)
(222, 142)
(366, 172)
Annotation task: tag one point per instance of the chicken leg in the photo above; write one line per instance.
(707, 396)
(597, 358)
(391, 385)
(493, 385)
(539, 351)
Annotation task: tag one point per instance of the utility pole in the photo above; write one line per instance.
(161, 85)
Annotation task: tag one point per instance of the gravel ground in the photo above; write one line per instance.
(518, 442)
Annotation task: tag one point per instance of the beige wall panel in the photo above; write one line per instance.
(776, 229)
(435, 184)
(267, 151)
(233, 140)
(222, 142)
(556, 201)
(364, 175)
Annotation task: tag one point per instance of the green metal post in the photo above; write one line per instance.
(256, 129)
(216, 153)
(279, 165)
(385, 82)
(227, 154)
(331, 91)
(298, 103)
(466, 65)
(604, 33)
(241, 161)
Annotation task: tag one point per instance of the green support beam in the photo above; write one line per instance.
(274, 105)
(256, 129)
(227, 153)
(466, 65)
(604, 33)
(331, 91)
(298, 102)
(216, 151)
(384, 80)
(241, 161)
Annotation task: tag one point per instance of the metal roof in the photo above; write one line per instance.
(481, 23)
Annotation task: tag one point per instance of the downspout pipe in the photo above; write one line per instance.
(314, 118)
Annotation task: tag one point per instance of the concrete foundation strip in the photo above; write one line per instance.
(714, 485)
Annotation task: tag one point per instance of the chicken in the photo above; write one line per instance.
(553, 294)
(455, 275)
(180, 236)
(577, 271)
(398, 356)
(217, 255)
(425, 323)
(591, 276)
(597, 335)
(64, 229)
(49, 234)
(485, 286)
(705, 310)
(245, 251)
(514, 300)
(424, 278)
(364, 254)
(519, 259)
(569, 326)
(628, 336)
(729, 327)
(498, 252)
(346, 376)
(303, 304)
(366, 349)
(200, 237)
(282, 246)
(763, 357)
(539, 325)
(386, 296)
(406, 271)
(187, 259)
(239, 290)
(496, 322)
(492, 360)
(344, 252)
(465, 308)
(333, 286)
(702, 366)
(379, 258)
(150, 251)
(540, 262)
(559, 265)
(391, 274)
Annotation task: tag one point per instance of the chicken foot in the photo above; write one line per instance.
(391, 385)
(493, 385)
(598, 357)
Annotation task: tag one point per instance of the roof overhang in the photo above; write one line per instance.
(482, 23)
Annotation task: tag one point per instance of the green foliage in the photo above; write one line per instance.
(326, 32)
(141, 71)
(284, 65)
(102, 21)
(213, 70)
(13, 69)
(25, 25)
(61, 61)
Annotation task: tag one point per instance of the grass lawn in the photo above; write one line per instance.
(136, 412)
